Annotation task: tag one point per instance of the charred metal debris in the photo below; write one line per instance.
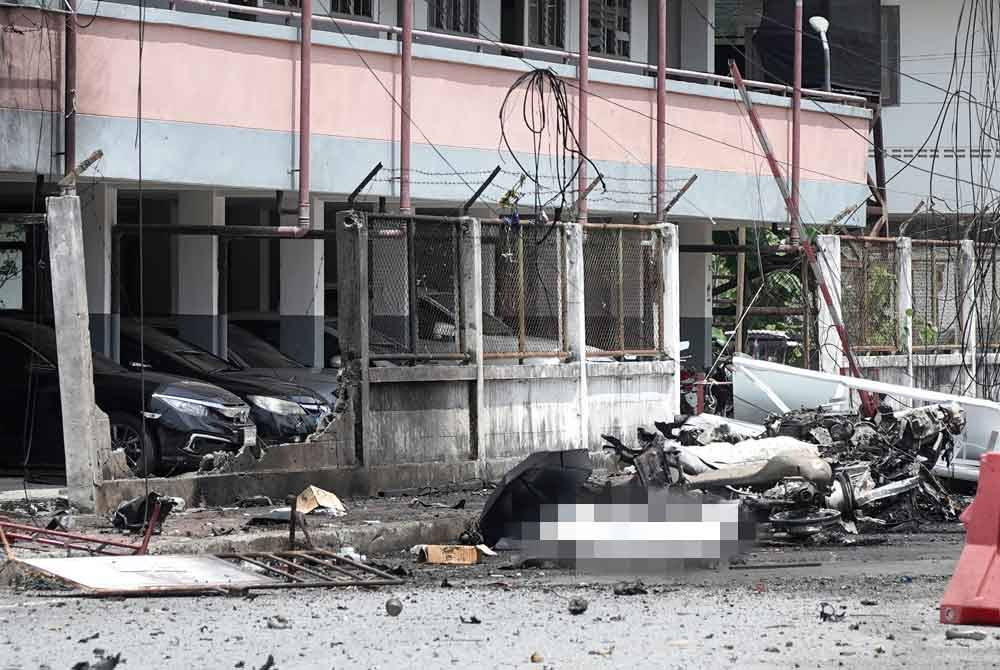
(811, 474)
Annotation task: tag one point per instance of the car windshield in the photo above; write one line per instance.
(257, 353)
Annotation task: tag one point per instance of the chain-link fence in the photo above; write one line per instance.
(987, 285)
(524, 289)
(414, 261)
(623, 289)
(869, 272)
(935, 294)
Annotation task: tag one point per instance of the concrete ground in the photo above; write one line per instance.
(731, 617)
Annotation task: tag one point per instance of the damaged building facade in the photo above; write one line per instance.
(468, 331)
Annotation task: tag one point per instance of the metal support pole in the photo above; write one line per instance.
(741, 277)
(69, 93)
(479, 191)
(222, 262)
(305, 106)
(522, 325)
(680, 194)
(621, 290)
(405, 76)
(867, 400)
(116, 297)
(796, 121)
(411, 277)
(583, 77)
(364, 182)
(661, 112)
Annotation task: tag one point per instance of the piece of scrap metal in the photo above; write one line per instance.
(12, 533)
(166, 574)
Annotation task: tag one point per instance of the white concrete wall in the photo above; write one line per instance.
(927, 41)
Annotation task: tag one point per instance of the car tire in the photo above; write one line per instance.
(129, 434)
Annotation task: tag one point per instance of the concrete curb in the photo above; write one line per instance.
(374, 539)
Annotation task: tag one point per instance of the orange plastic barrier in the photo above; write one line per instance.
(973, 594)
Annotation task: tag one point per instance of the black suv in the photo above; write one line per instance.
(162, 422)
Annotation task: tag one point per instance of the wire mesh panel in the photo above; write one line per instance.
(869, 272)
(413, 288)
(623, 288)
(987, 283)
(523, 289)
(935, 294)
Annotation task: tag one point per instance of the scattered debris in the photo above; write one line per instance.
(602, 652)
(418, 502)
(132, 515)
(393, 606)
(351, 554)
(63, 520)
(269, 664)
(577, 605)
(315, 499)
(975, 635)
(254, 501)
(445, 584)
(536, 657)
(827, 613)
(446, 554)
(636, 588)
(398, 570)
(278, 622)
(471, 619)
(868, 602)
(102, 662)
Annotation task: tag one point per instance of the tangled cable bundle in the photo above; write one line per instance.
(544, 101)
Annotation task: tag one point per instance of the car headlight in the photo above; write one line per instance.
(183, 406)
(276, 405)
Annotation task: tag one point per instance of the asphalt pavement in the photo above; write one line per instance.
(738, 616)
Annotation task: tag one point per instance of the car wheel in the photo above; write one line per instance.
(128, 434)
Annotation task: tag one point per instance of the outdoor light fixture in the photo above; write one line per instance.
(821, 25)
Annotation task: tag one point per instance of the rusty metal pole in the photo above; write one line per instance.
(621, 290)
(793, 232)
(305, 107)
(868, 401)
(661, 109)
(583, 77)
(69, 93)
(405, 76)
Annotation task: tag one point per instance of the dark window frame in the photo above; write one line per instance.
(547, 23)
(891, 61)
(459, 17)
(601, 33)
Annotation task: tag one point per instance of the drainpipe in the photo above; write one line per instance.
(405, 206)
(796, 122)
(305, 127)
(69, 99)
(583, 76)
(661, 109)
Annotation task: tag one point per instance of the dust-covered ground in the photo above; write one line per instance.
(737, 617)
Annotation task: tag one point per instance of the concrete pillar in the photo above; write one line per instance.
(352, 320)
(904, 302)
(196, 288)
(696, 293)
(576, 329)
(831, 355)
(86, 436)
(670, 321)
(470, 257)
(697, 36)
(100, 213)
(967, 314)
(302, 298)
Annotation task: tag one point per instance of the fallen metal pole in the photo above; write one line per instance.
(868, 402)
(479, 191)
(680, 194)
(364, 182)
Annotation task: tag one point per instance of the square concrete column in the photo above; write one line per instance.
(99, 205)
(831, 354)
(967, 321)
(697, 35)
(669, 322)
(696, 293)
(576, 320)
(196, 269)
(470, 259)
(301, 303)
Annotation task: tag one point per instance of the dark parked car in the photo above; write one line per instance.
(250, 353)
(161, 421)
(282, 411)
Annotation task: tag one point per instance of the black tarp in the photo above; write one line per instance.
(855, 44)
